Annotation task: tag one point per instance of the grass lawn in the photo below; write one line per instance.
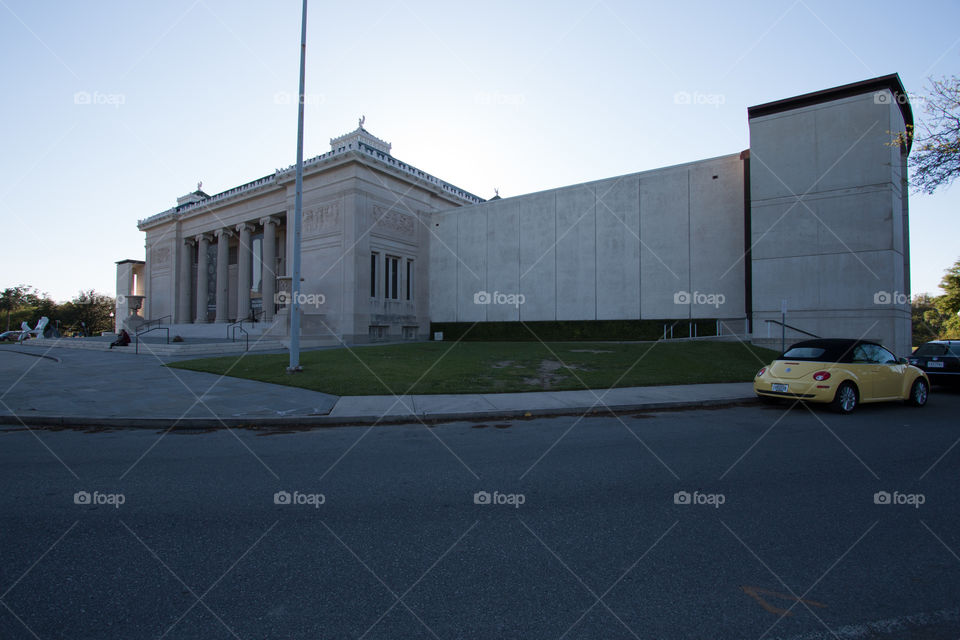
(497, 367)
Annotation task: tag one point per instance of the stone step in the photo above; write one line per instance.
(212, 330)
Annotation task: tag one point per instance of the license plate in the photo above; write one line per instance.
(935, 365)
(781, 388)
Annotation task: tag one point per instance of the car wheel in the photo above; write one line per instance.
(919, 393)
(847, 398)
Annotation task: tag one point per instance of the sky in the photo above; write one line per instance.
(113, 109)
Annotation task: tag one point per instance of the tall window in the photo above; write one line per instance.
(409, 279)
(392, 280)
(374, 258)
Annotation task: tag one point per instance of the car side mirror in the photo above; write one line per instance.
(902, 360)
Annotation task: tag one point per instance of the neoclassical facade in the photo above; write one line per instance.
(365, 240)
(812, 218)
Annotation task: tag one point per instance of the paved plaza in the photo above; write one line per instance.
(58, 386)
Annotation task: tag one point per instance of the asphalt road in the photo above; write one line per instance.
(782, 537)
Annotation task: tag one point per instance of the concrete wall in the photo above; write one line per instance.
(829, 221)
(661, 244)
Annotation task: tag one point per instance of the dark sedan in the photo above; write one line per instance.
(940, 359)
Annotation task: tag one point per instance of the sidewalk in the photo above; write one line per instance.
(46, 386)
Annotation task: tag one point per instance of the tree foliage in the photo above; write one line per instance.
(935, 318)
(21, 303)
(935, 158)
(87, 313)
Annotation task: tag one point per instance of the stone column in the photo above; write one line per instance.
(186, 266)
(244, 271)
(203, 242)
(223, 274)
(269, 256)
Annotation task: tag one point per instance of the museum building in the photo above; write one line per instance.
(812, 218)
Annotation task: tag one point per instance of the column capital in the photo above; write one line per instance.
(201, 236)
(222, 233)
(269, 220)
(244, 226)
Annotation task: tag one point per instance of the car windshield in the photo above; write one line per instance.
(803, 353)
(931, 349)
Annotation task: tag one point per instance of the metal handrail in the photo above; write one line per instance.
(806, 333)
(231, 325)
(245, 335)
(148, 325)
(239, 323)
(137, 340)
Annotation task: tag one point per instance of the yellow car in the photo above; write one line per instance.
(843, 373)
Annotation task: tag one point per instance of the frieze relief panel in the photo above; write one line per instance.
(393, 220)
(322, 218)
(160, 258)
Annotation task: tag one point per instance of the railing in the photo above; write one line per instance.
(238, 323)
(140, 333)
(783, 324)
(150, 325)
(245, 335)
(691, 330)
(252, 318)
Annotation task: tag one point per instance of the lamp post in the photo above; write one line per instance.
(298, 211)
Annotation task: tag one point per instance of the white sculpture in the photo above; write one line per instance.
(37, 331)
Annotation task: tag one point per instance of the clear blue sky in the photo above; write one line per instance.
(519, 96)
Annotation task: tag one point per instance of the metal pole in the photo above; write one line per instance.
(298, 211)
(783, 326)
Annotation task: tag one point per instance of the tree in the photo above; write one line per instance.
(927, 320)
(950, 300)
(935, 159)
(88, 312)
(10, 301)
(22, 303)
(949, 303)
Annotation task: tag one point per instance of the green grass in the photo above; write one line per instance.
(497, 367)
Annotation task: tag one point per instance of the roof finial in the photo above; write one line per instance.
(200, 185)
(361, 121)
(496, 191)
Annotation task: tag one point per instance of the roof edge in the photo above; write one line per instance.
(891, 82)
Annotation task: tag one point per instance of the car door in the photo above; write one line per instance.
(889, 373)
(866, 369)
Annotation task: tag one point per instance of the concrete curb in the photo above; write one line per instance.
(343, 421)
(35, 355)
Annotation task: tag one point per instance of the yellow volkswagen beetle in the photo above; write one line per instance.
(843, 373)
